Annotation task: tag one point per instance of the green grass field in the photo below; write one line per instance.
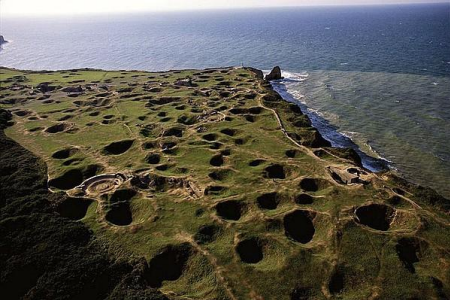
(225, 189)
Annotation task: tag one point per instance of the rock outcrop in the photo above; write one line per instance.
(275, 74)
(259, 73)
(73, 89)
(2, 40)
(45, 87)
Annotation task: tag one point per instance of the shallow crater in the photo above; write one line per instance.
(256, 162)
(210, 137)
(169, 264)
(216, 160)
(57, 128)
(304, 199)
(407, 250)
(250, 250)
(153, 158)
(375, 216)
(229, 132)
(175, 131)
(275, 172)
(207, 234)
(314, 184)
(230, 210)
(65, 153)
(119, 212)
(268, 201)
(292, 153)
(74, 208)
(117, 148)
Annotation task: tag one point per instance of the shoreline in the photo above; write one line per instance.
(326, 131)
(331, 133)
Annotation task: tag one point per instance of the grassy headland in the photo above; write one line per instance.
(215, 188)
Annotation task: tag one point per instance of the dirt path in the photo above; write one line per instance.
(213, 261)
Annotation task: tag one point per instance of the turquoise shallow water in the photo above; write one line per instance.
(378, 74)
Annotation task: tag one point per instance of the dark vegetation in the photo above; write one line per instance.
(45, 255)
(407, 250)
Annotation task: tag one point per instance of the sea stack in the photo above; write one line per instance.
(2, 40)
(275, 74)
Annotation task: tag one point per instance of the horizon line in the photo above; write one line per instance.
(197, 9)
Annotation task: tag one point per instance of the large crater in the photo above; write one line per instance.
(376, 216)
(298, 226)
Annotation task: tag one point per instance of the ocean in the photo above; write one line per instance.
(373, 76)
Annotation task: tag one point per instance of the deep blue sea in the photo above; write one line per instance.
(379, 75)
